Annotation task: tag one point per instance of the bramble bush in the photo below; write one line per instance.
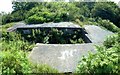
(104, 61)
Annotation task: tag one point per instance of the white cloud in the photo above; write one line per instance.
(6, 6)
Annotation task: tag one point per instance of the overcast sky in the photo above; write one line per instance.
(6, 5)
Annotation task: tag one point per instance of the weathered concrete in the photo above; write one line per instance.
(63, 57)
(63, 25)
(13, 28)
(52, 25)
(96, 34)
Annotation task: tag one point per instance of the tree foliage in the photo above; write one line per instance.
(108, 25)
(107, 10)
(62, 11)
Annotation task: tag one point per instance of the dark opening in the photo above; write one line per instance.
(53, 35)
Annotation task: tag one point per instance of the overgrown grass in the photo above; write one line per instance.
(43, 68)
(13, 55)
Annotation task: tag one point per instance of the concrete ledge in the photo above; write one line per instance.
(63, 57)
(96, 34)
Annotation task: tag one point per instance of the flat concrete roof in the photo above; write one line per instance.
(51, 25)
(96, 34)
(62, 25)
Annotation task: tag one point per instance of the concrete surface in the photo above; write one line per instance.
(63, 57)
(96, 34)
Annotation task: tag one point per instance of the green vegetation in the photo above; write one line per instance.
(34, 12)
(53, 36)
(105, 61)
(43, 68)
(16, 46)
(52, 12)
(107, 10)
(112, 40)
(14, 62)
(108, 25)
(13, 55)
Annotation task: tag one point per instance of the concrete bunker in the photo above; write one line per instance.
(53, 33)
(63, 57)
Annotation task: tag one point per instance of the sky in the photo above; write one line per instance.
(6, 5)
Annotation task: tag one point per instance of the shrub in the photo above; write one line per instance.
(14, 61)
(107, 10)
(35, 19)
(55, 12)
(105, 61)
(91, 19)
(5, 35)
(9, 40)
(18, 16)
(81, 18)
(14, 17)
(40, 17)
(6, 18)
(58, 17)
(13, 56)
(19, 45)
(79, 22)
(108, 25)
(49, 16)
(112, 40)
